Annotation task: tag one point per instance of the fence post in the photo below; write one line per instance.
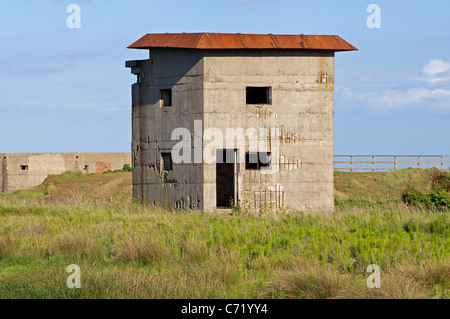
(418, 161)
(442, 162)
(351, 163)
(395, 162)
(373, 163)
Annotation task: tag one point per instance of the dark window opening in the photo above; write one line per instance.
(257, 160)
(24, 167)
(251, 161)
(166, 97)
(167, 161)
(258, 95)
(85, 167)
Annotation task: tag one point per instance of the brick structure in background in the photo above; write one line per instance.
(28, 170)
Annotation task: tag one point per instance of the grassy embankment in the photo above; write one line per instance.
(129, 251)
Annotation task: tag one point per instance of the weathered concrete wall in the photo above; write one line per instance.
(28, 170)
(181, 71)
(301, 84)
(210, 85)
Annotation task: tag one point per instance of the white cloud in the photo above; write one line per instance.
(410, 96)
(429, 91)
(433, 70)
(390, 99)
(435, 66)
(36, 63)
(435, 80)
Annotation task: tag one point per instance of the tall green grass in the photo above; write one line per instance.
(25, 195)
(384, 185)
(146, 252)
(72, 174)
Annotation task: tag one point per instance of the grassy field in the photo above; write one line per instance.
(385, 186)
(129, 251)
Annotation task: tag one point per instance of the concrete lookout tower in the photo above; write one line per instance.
(225, 119)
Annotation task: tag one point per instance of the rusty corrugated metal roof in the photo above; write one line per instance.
(241, 41)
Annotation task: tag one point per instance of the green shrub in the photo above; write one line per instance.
(442, 180)
(436, 197)
(413, 196)
(127, 168)
(439, 197)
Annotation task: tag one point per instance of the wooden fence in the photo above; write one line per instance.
(354, 163)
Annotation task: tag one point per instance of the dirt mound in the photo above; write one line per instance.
(76, 188)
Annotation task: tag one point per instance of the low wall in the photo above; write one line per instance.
(28, 170)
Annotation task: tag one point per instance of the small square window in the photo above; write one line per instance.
(257, 161)
(258, 95)
(166, 97)
(167, 161)
(24, 167)
(85, 167)
(251, 161)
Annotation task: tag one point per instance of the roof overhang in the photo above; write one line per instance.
(230, 41)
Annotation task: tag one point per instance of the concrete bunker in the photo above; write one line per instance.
(272, 93)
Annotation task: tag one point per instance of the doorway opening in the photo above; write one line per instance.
(227, 177)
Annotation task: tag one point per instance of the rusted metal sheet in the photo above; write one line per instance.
(242, 41)
(101, 167)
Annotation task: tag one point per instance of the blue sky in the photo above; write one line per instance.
(67, 90)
